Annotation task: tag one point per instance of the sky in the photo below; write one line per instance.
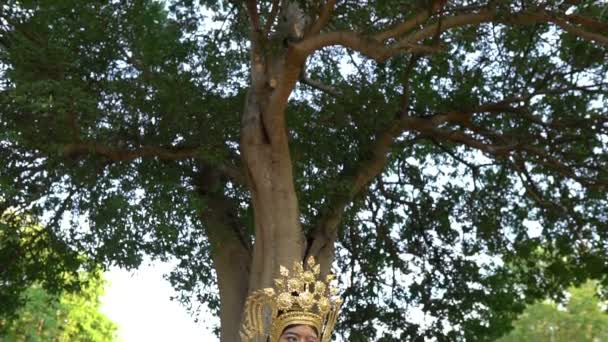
(139, 302)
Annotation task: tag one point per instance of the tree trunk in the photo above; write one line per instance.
(229, 250)
(279, 238)
(231, 263)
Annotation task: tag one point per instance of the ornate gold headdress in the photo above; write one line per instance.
(299, 299)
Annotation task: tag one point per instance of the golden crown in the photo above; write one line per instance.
(299, 299)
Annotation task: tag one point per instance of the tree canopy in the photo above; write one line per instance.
(582, 319)
(427, 149)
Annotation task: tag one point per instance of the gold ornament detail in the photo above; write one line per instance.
(299, 297)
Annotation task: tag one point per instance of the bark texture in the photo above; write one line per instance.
(265, 150)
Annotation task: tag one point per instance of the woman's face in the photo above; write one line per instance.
(299, 333)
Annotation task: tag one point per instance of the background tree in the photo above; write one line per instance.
(69, 317)
(582, 319)
(420, 146)
(32, 256)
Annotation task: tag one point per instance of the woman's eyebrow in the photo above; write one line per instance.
(293, 333)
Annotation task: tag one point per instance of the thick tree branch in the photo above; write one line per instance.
(593, 25)
(221, 209)
(273, 117)
(252, 13)
(501, 146)
(433, 6)
(448, 23)
(324, 17)
(403, 27)
(324, 234)
(81, 149)
(374, 47)
(367, 46)
(488, 15)
(76, 150)
(579, 32)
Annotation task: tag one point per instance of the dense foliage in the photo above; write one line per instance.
(447, 158)
(69, 317)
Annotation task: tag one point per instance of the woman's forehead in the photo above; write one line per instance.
(302, 330)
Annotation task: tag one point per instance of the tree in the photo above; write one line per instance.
(413, 144)
(71, 317)
(582, 319)
(32, 256)
(48, 293)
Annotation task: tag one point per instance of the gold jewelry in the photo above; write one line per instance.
(299, 299)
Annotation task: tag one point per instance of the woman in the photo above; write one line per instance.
(303, 308)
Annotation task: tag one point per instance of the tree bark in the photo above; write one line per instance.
(279, 239)
(278, 233)
(230, 252)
